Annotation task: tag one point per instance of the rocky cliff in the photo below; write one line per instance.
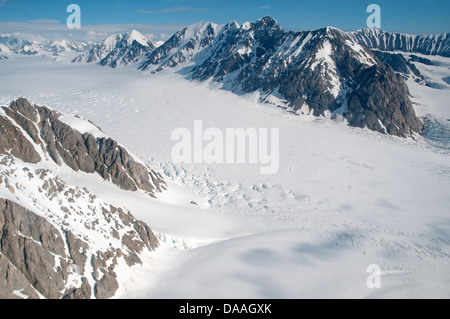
(58, 240)
(430, 44)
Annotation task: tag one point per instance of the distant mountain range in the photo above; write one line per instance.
(320, 72)
(12, 45)
(58, 240)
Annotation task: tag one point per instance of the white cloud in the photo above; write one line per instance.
(56, 31)
(45, 21)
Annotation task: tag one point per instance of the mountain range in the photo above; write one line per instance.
(320, 72)
(324, 72)
(118, 50)
(10, 44)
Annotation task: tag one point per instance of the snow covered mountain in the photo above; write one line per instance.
(433, 44)
(10, 44)
(320, 72)
(182, 47)
(118, 50)
(58, 240)
(313, 72)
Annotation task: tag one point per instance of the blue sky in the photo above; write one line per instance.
(409, 16)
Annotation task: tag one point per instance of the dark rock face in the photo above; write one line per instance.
(63, 144)
(415, 58)
(34, 258)
(29, 242)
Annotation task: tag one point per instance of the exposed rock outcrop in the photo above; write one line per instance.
(309, 72)
(43, 258)
(395, 116)
(182, 47)
(64, 144)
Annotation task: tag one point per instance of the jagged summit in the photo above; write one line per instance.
(312, 72)
(118, 50)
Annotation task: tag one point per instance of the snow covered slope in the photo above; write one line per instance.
(182, 47)
(343, 199)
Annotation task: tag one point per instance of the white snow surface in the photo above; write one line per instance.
(343, 199)
(82, 126)
(138, 37)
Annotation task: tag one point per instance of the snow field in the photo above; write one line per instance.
(343, 199)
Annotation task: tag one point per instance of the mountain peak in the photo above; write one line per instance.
(135, 35)
(267, 22)
(199, 27)
(330, 31)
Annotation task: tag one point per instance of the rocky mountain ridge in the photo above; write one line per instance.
(118, 50)
(313, 72)
(58, 240)
(324, 72)
(10, 45)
